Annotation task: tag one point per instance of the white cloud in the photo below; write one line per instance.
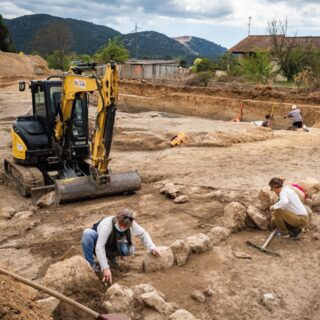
(211, 19)
(9, 10)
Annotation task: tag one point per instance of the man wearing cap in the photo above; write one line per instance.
(110, 238)
(295, 114)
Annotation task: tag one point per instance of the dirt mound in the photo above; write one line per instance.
(17, 302)
(16, 65)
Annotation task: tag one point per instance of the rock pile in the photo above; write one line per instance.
(173, 191)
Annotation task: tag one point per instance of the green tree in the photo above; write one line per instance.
(204, 65)
(61, 61)
(5, 38)
(228, 63)
(313, 61)
(257, 67)
(53, 37)
(291, 56)
(57, 60)
(114, 50)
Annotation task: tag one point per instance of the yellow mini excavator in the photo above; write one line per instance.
(51, 148)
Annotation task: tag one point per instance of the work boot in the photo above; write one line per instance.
(282, 235)
(113, 261)
(295, 234)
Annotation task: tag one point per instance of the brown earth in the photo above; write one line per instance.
(236, 158)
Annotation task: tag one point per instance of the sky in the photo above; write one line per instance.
(225, 22)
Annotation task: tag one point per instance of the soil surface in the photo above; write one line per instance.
(237, 158)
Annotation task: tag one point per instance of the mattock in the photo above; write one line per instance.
(263, 247)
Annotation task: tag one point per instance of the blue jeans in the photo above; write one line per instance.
(89, 240)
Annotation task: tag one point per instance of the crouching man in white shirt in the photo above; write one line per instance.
(110, 238)
(289, 213)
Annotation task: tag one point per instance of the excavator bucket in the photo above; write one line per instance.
(81, 188)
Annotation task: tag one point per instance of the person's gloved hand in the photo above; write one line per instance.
(107, 276)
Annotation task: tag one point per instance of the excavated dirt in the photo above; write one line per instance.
(236, 158)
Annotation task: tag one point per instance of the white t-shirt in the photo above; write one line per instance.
(290, 201)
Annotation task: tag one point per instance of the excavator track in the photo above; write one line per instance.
(23, 177)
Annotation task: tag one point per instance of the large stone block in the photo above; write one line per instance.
(142, 288)
(258, 218)
(153, 263)
(218, 234)
(199, 242)
(267, 198)
(234, 216)
(181, 250)
(154, 301)
(170, 190)
(182, 315)
(120, 299)
(7, 213)
(68, 274)
(46, 200)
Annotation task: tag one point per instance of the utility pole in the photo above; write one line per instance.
(136, 29)
(249, 25)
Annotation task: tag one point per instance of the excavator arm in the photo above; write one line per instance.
(75, 86)
(100, 181)
(102, 137)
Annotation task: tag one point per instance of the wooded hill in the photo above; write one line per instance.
(87, 38)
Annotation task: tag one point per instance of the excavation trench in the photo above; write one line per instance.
(221, 104)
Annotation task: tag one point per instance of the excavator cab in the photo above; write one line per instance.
(32, 134)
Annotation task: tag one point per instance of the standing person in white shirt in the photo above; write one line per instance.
(110, 238)
(290, 215)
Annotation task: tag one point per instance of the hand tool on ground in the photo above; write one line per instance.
(77, 305)
(271, 116)
(239, 116)
(263, 247)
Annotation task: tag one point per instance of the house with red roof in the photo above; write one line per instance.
(254, 43)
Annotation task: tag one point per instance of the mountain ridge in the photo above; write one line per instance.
(88, 37)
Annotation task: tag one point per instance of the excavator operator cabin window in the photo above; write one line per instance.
(39, 102)
(54, 92)
(78, 120)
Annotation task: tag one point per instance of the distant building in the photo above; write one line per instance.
(252, 44)
(149, 69)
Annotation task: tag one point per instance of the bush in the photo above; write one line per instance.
(201, 79)
(114, 50)
(202, 65)
(257, 68)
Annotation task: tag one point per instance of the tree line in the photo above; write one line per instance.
(298, 62)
